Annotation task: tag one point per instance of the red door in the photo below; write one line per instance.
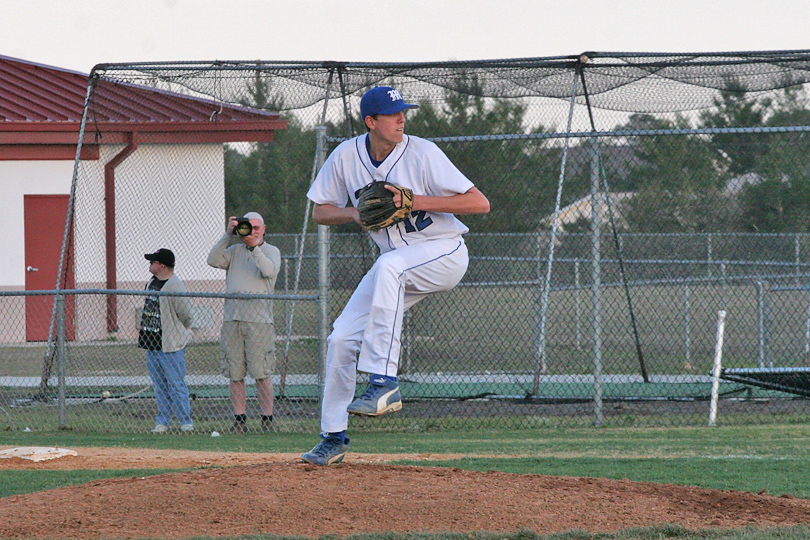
(44, 229)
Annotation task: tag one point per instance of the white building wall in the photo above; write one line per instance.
(20, 178)
(170, 196)
(166, 196)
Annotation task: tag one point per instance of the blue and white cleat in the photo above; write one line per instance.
(329, 451)
(378, 399)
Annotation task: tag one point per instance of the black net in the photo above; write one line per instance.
(634, 196)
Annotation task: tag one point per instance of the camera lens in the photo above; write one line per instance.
(244, 228)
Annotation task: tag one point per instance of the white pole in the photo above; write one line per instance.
(718, 354)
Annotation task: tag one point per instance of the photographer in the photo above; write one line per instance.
(247, 340)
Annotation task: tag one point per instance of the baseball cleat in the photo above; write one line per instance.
(160, 428)
(329, 451)
(377, 400)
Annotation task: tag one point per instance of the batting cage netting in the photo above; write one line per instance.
(634, 198)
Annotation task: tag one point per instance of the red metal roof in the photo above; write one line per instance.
(42, 105)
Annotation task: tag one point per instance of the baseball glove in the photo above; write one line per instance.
(377, 208)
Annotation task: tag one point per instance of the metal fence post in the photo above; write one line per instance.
(797, 254)
(323, 272)
(60, 360)
(762, 325)
(687, 338)
(577, 308)
(709, 254)
(405, 356)
(807, 329)
(596, 284)
(718, 366)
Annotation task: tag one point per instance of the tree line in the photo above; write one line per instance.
(720, 182)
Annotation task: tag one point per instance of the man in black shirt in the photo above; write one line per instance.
(163, 332)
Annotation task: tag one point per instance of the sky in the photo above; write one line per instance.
(78, 34)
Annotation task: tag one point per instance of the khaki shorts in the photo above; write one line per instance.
(247, 348)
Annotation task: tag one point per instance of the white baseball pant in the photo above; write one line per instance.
(371, 322)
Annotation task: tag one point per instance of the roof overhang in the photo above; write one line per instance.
(54, 140)
(150, 132)
(41, 110)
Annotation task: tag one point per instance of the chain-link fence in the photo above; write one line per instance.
(633, 198)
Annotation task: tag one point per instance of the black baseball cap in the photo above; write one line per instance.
(162, 255)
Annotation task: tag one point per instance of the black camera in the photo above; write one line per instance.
(243, 227)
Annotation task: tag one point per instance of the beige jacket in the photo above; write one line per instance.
(252, 272)
(175, 316)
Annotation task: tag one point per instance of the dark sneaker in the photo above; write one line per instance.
(267, 425)
(239, 427)
(378, 399)
(329, 451)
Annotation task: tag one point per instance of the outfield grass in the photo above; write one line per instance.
(748, 458)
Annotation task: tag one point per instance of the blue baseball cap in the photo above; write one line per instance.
(383, 100)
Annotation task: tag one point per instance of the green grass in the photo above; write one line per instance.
(17, 482)
(774, 440)
(742, 458)
(92, 358)
(739, 474)
(748, 458)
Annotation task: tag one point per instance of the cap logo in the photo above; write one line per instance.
(395, 95)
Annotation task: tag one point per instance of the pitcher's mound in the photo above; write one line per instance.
(294, 498)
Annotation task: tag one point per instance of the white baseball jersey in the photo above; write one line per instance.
(422, 255)
(414, 163)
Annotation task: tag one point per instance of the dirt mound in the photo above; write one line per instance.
(277, 494)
